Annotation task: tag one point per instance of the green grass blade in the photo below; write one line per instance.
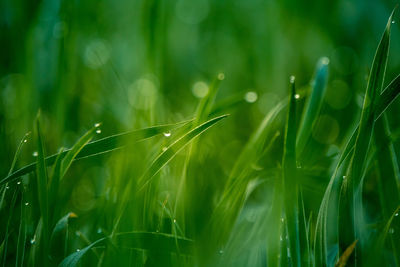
(41, 174)
(101, 146)
(206, 103)
(58, 237)
(313, 104)
(73, 259)
(74, 151)
(290, 179)
(351, 203)
(155, 242)
(388, 96)
(174, 148)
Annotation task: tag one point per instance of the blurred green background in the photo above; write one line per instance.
(134, 64)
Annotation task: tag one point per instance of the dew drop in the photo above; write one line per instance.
(164, 148)
(344, 177)
(280, 238)
(25, 140)
(98, 131)
(297, 96)
(393, 22)
(26, 203)
(251, 97)
(282, 220)
(221, 251)
(397, 214)
(99, 231)
(167, 134)
(292, 79)
(391, 231)
(19, 182)
(221, 76)
(174, 220)
(97, 124)
(78, 250)
(7, 187)
(33, 240)
(35, 154)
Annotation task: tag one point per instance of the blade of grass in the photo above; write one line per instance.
(41, 175)
(313, 105)
(137, 240)
(101, 146)
(168, 154)
(351, 201)
(290, 183)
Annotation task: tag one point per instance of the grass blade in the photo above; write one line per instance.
(101, 146)
(174, 148)
(313, 104)
(41, 174)
(351, 201)
(290, 183)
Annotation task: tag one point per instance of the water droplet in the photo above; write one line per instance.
(78, 250)
(7, 187)
(25, 140)
(33, 240)
(297, 96)
(251, 97)
(35, 154)
(221, 76)
(97, 124)
(19, 182)
(174, 220)
(391, 231)
(164, 148)
(325, 60)
(98, 131)
(26, 203)
(397, 214)
(221, 251)
(282, 219)
(167, 134)
(393, 22)
(292, 79)
(99, 231)
(280, 238)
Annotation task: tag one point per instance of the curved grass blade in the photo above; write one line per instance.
(313, 104)
(58, 237)
(138, 240)
(101, 146)
(73, 259)
(346, 255)
(351, 201)
(74, 151)
(174, 148)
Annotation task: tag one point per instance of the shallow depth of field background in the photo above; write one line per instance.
(134, 64)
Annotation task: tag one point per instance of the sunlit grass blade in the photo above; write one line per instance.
(346, 255)
(290, 180)
(313, 105)
(351, 201)
(101, 146)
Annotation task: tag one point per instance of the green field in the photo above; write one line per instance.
(199, 133)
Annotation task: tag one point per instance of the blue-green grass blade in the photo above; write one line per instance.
(313, 104)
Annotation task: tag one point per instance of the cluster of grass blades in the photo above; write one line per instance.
(259, 218)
